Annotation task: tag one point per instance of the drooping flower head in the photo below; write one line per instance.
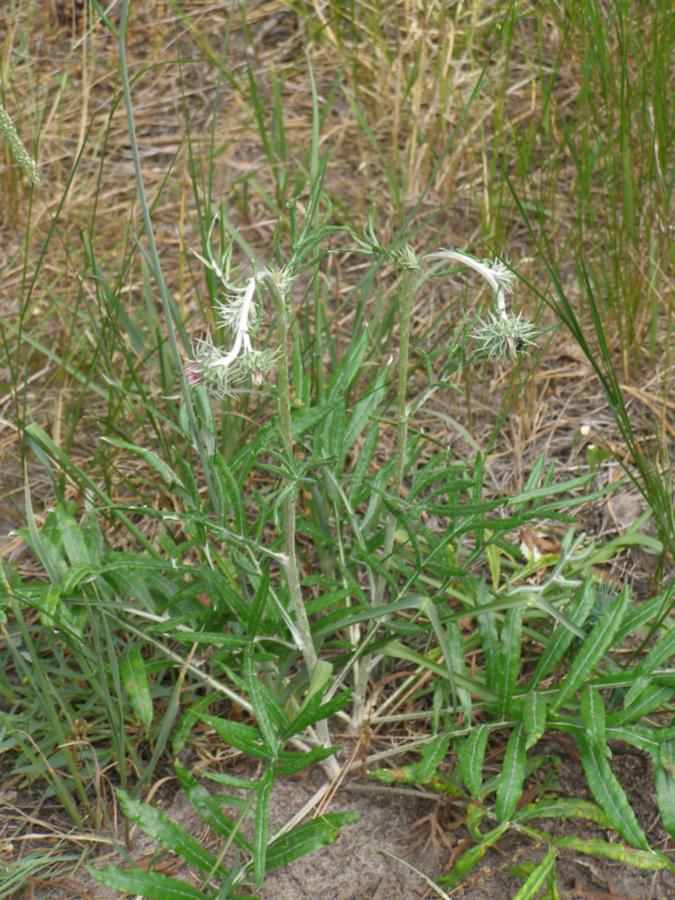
(503, 335)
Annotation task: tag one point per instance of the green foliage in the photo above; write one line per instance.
(270, 554)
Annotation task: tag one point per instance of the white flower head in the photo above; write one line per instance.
(222, 371)
(505, 336)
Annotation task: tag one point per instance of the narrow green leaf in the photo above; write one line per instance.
(153, 885)
(593, 717)
(165, 831)
(664, 777)
(470, 859)
(475, 814)
(262, 825)
(662, 651)
(510, 785)
(609, 794)
(537, 877)
(562, 636)
(489, 638)
(652, 697)
(509, 657)
(136, 684)
(315, 711)
(290, 762)
(592, 650)
(307, 838)
(209, 809)
(228, 492)
(534, 717)
(165, 472)
(78, 549)
(364, 410)
(256, 691)
(471, 753)
(650, 860)
(236, 734)
(564, 808)
(641, 736)
(457, 656)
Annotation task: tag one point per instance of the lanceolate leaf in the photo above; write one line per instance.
(639, 736)
(564, 808)
(135, 679)
(562, 637)
(470, 859)
(471, 753)
(609, 794)
(433, 753)
(651, 860)
(653, 696)
(145, 884)
(307, 838)
(593, 717)
(489, 638)
(510, 785)
(262, 825)
(166, 832)
(664, 776)
(165, 472)
(236, 734)
(210, 810)
(256, 691)
(592, 650)
(510, 657)
(663, 650)
(538, 877)
(534, 717)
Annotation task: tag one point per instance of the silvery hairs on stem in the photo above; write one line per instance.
(221, 372)
(17, 149)
(504, 335)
